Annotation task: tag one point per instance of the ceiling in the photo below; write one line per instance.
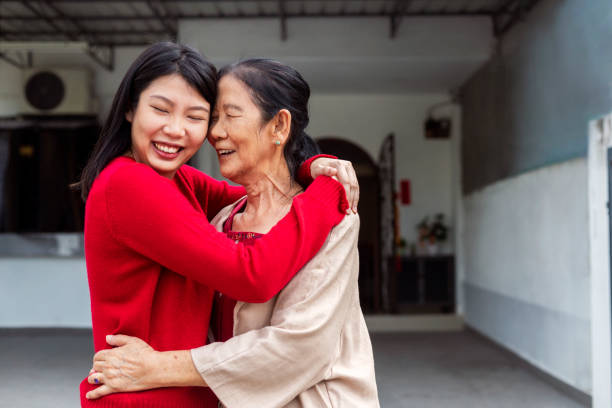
(139, 22)
(100, 26)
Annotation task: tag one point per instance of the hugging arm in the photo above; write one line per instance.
(137, 217)
(263, 367)
(215, 194)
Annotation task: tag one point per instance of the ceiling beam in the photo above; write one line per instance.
(510, 13)
(105, 59)
(49, 20)
(14, 62)
(171, 1)
(399, 10)
(504, 17)
(103, 55)
(198, 16)
(81, 32)
(283, 19)
(170, 29)
(26, 33)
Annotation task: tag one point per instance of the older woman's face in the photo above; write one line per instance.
(169, 124)
(244, 145)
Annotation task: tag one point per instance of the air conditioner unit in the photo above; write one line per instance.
(57, 91)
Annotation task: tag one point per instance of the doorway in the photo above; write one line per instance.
(369, 209)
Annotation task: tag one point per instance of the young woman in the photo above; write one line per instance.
(153, 259)
(306, 347)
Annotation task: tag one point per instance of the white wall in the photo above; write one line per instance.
(355, 55)
(526, 257)
(44, 292)
(10, 89)
(526, 241)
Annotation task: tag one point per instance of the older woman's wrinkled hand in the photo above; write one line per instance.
(127, 367)
(341, 170)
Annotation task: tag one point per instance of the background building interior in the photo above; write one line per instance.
(480, 133)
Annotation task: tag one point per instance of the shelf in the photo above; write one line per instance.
(424, 284)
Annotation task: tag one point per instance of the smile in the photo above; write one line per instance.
(166, 148)
(225, 152)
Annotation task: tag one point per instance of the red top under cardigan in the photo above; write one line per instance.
(154, 261)
(222, 319)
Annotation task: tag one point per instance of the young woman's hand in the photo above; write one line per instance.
(127, 367)
(341, 170)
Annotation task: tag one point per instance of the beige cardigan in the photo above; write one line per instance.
(308, 346)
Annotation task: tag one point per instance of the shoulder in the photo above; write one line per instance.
(123, 168)
(343, 237)
(348, 226)
(125, 177)
(188, 172)
(194, 176)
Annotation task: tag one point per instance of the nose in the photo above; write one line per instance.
(174, 127)
(216, 131)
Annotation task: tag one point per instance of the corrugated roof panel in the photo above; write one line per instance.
(185, 8)
(249, 8)
(139, 17)
(292, 7)
(352, 7)
(8, 8)
(89, 9)
(142, 8)
(16, 8)
(270, 7)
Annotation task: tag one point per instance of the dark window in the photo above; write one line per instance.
(39, 160)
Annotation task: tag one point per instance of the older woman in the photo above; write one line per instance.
(153, 260)
(309, 345)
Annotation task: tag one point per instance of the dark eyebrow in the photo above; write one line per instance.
(163, 98)
(232, 106)
(199, 108)
(169, 102)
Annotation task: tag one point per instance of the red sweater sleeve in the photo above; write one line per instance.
(304, 175)
(215, 194)
(149, 215)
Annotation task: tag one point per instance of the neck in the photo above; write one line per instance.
(269, 198)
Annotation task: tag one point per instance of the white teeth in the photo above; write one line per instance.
(166, 149)
(225, 151)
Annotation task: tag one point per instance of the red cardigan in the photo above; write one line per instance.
(154, 261)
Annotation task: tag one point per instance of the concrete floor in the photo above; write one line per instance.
(420, 370)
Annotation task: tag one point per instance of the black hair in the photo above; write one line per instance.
(160, 59)
(275, 86)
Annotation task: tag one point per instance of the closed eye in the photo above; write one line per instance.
(159, 109)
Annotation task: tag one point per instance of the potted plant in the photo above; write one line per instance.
(432, 234)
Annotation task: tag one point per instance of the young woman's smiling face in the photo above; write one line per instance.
(169, 124)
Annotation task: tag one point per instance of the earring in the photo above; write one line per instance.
(277, 142)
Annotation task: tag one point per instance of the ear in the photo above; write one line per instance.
(282, 125)
(129, 116)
